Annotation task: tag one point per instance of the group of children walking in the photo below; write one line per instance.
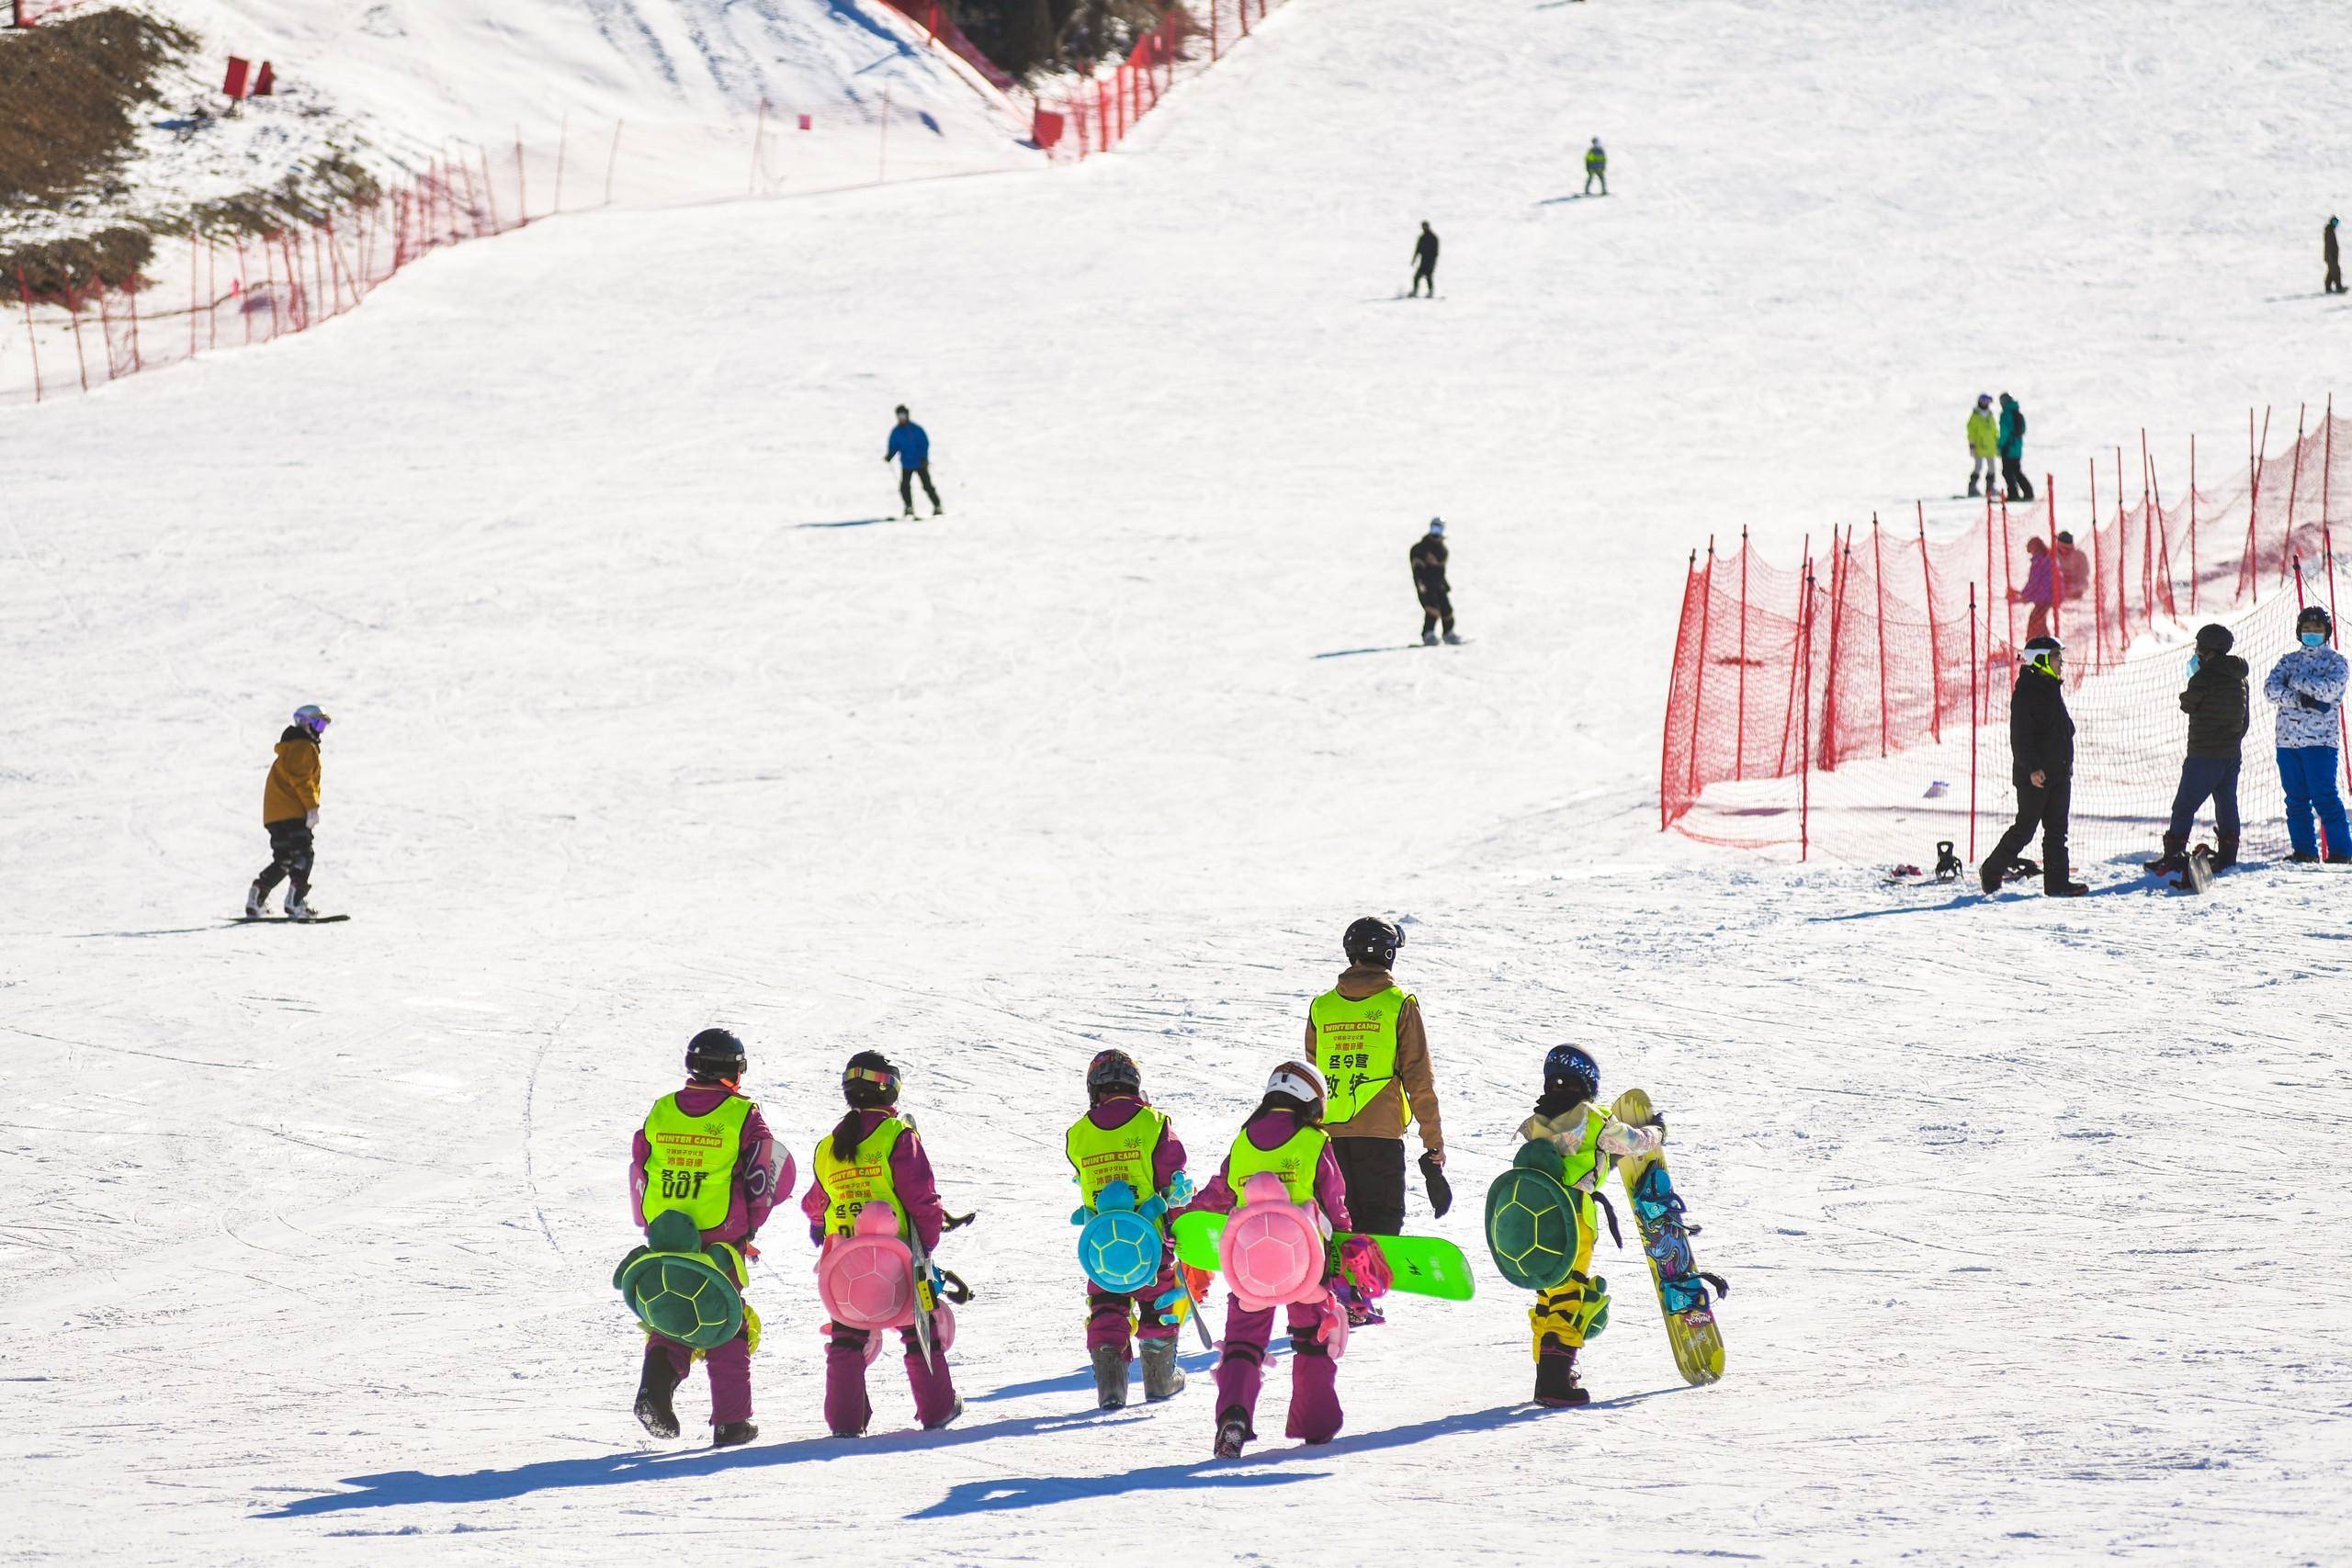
(705, 1151)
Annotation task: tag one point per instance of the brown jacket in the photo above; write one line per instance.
(1412, 1094)
(293, 787)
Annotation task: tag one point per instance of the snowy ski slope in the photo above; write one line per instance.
(649, 718)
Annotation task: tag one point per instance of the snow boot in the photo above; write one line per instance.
(1555, 1378)
(655, 1384)
(949, 1419)
(300, 910)
(2225, 850)
(1232, 1431)
(1162, 1377)
(730, 1434)
(1988, 877)
(1971, 485)
(2174, 860)
(257, 902)
(1454, 639)
(2300, 858)
(1109, 1376)
(1428, 639)
(2064, 889)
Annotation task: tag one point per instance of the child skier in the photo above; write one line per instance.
(1122, 1138)
(289, 810)
(2219, 710)
(1284, 1135)
(874, 1155)
(705, 1152)
(1592, 1141)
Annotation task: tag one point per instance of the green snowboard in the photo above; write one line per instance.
(1422, 1265)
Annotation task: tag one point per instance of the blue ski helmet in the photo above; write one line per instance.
(1571, 1068)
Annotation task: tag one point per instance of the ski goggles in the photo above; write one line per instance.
(888, 1081)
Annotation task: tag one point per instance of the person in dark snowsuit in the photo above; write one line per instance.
(2333, 257)
(2219, 709)
(912, 447)
(1425, 260)
(1428, 557)
(2041, 751)
(2016, 486)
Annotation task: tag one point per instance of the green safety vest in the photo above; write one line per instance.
(1119, 1153)
(1355, 1047)
(1582, 1163)
(691, 1168)
(864, 1178)
(1293, 1160)
(1594, 158)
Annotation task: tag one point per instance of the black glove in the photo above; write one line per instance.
(2305, 699)
(1659, 1123)
(1440, 1190)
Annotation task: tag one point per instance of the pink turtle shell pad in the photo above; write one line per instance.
(1271, 1250)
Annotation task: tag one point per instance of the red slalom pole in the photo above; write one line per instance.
(1974, 720)
(1935, 653)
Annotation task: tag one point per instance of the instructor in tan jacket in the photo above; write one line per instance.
(1364, 1036)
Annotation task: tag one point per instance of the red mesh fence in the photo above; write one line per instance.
(1095, 116)
(28, 13)
(935, 20)
(1858, 705)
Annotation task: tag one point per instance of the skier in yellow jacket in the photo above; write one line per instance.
(289, 810)
(1984, 444)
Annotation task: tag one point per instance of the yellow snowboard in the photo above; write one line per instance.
(1682, 1290)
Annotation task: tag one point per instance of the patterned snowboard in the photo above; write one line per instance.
(1683, 1295)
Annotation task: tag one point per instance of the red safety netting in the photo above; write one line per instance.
(1855, 703)
(940, 24)
(28, 13)
(1096, 115)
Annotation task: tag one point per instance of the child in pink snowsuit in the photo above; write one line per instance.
(873, 1154)
(1290, 1118)
(760, 1177)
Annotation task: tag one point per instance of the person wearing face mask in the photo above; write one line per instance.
(2215, 701)
(2307, 686)
(2042, 748)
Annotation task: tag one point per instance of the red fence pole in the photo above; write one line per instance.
(1739, 721)
(522, 191)
(1699, 675)
(1878, 589)
(1789, 712)
(32, 340)
(1805, 777)
(2294, 483)
(1935, 653)
(1974, 663)
(130, 286)
(2192, 523)
(1666, 731)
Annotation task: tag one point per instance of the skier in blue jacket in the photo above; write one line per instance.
(2307, 685)
(912, 447)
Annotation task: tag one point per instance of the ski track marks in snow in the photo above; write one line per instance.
(2032, 1213)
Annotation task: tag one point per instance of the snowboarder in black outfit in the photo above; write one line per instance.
(1425, 260)
(2219, 709)
(1427, 556)
(2332, 257)
(2041, 752)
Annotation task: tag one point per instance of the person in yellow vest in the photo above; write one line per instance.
(1365, 1036)
(707, 1152)
(874, 1155)
(1593, 1141)
(289, 810)
(1284, 1135)
(1122, 1138)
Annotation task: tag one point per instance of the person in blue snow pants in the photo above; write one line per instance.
(2307, 685)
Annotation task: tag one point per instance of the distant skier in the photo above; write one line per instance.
(1122, 1138)
(2040, 589)
(2041, 757)
(2012, 447)
(1427, 559)
(2307, 685)
(1285, 1136)
(1366, 1038)
(289, 810)
(2071, 568)
(873, 1156)
(1984, 444)
(705, 1151)
(2216, 703)
(1593, 1140)
(912, 447)
(2332, 257)
(1425, 260)
(1595, 167)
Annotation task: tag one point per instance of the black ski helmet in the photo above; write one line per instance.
(1372, 941)
(870, 1082)
(715, 1056)
(2215, 637)
(2314, 615)
(1571, 1068)
(1112, 1072)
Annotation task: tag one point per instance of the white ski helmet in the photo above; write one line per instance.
(1296, 1080)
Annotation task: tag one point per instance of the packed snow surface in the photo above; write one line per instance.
(650, 717)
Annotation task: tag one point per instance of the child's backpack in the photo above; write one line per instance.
(680, 1290)
(1534, 1222)
(1271, 1251)
(1120, 1246)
